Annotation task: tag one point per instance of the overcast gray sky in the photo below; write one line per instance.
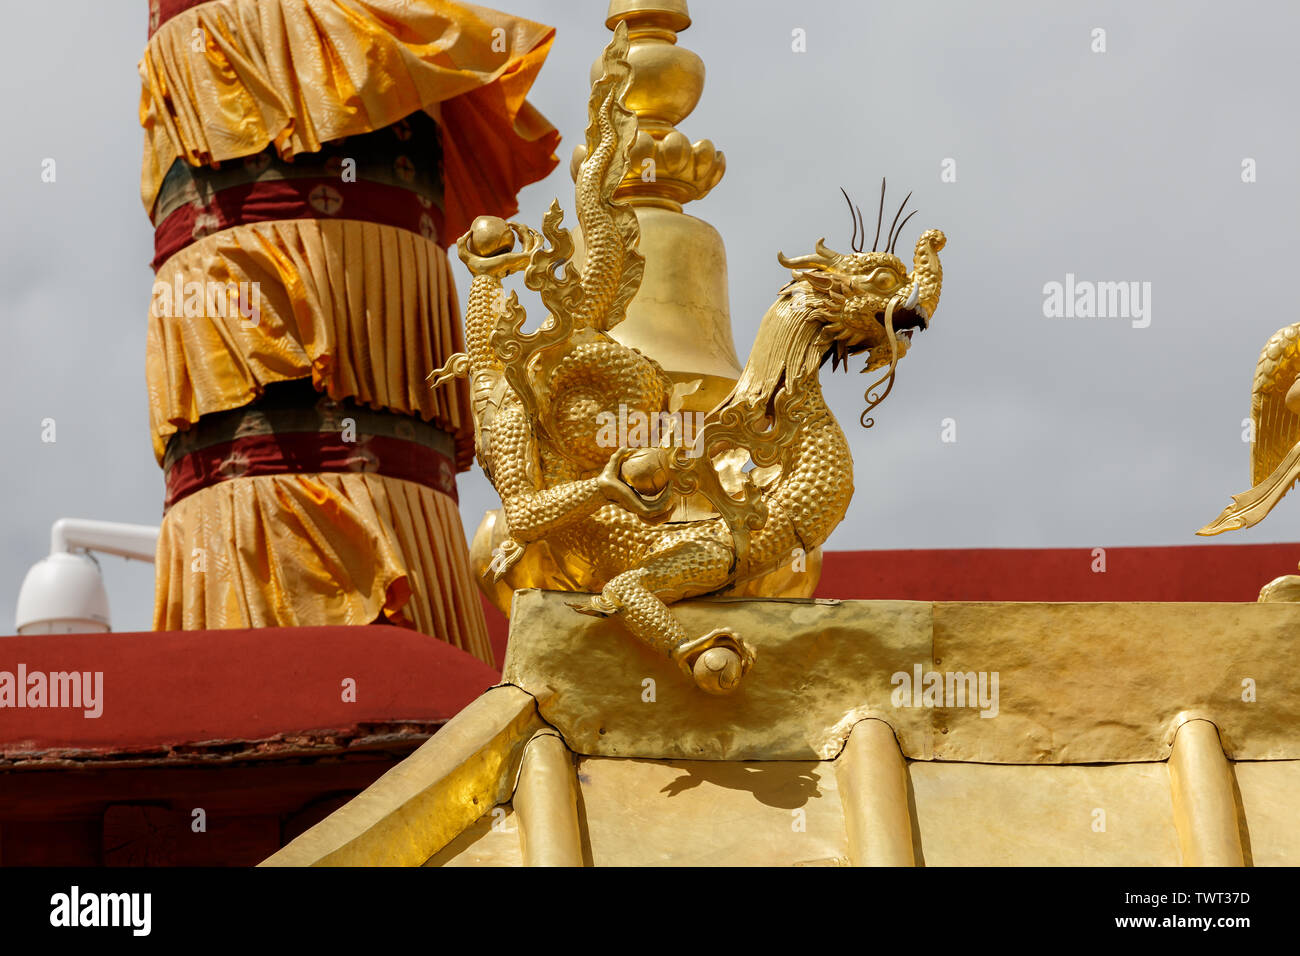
(1116, 166)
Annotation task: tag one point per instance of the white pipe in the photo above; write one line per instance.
(139, 541)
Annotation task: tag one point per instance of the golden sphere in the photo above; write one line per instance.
(490, 236)
(645, 470)
(717, 670)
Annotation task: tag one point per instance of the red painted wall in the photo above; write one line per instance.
(1211, 572)
(1184, 573)
(172, 688)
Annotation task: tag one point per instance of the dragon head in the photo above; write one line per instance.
(856, 290)
(867, 301)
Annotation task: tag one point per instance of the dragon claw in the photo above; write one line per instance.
(504, 557)
(617, 490)
(596, 606)
(457, 367)
(488, 248)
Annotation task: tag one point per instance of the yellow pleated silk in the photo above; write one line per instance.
(364, 310)
(226, 78)
(299, 550)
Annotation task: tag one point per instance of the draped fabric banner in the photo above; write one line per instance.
(296, 430)
(301, 550)
(223, 80)
(306, 165)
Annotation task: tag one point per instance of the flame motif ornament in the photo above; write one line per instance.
(1274, 449)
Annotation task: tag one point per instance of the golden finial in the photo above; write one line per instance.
(680, 317)
(665, 168)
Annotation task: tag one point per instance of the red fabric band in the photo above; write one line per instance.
(308, 453)
(311, 198)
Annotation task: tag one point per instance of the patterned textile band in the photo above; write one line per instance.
(281, 434)
(160, 11)
(392, 176)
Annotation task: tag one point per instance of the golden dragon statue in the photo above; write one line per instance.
(1274, 450)
(770, 460)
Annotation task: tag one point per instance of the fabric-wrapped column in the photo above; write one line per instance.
(306, 164)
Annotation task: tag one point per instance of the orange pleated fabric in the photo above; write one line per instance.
(366, 311)
(299, 550)
(226, 78)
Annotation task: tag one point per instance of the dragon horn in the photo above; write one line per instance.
(802, 262)
(827, 254)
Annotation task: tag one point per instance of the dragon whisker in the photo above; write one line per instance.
(898, 234)
(880, 216)
(855, 242)
(896, 215)
(888, 378)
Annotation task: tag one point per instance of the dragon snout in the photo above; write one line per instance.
(927, 274)
(934, 239)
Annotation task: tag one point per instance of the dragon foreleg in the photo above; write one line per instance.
(716, 661)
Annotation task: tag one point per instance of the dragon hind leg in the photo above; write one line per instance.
(716, 661)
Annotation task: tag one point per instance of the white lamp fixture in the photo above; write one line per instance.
(64, 593)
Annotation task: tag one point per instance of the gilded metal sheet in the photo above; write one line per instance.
(431, 797)
(821, 666)
(1091, 683)
(983, 815)
(969, 814)
(1076, 683)
(491, 840)
(705, 813)
(1271, 823)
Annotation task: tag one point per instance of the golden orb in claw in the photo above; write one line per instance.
(717, 670)
(646, 470)
(490, 236)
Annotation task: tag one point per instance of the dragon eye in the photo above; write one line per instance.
(884, 280)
